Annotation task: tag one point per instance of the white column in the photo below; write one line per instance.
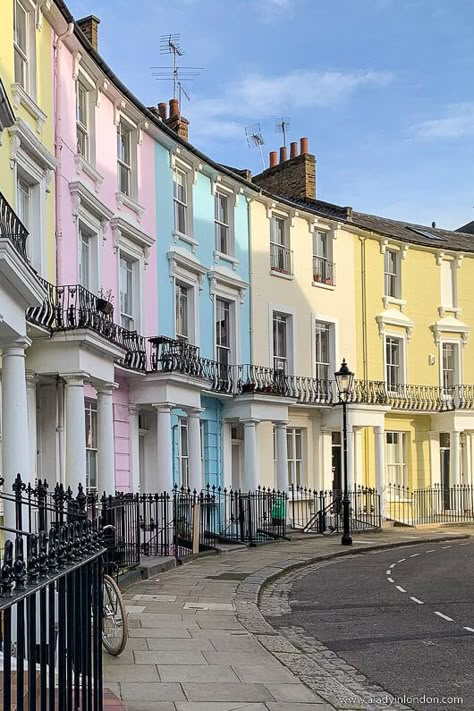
(227, 455)
(75, 433)
(194, 436)
(15, 451)
(466, 459)
(380, 465)
(434, 480)
(325, 477)
(471, 446)
(282, 456)
(164, 462)
(31, 380)
(250, 455)
(358, 479)
(350, 455)
(455, 458)
(134, 448)
(105, 439)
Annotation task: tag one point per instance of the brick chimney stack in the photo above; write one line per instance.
(90, 26)
(175, 121)
(293, 177)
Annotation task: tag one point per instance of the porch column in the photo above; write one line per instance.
(358, 479)
(134, 448)
(31, 380)
(15, 450)
(195, 464)
(434, 480)
(250, 455)
(466, 459)
(455, 458)
(105, 439)
(350, 455)
(282, 456)
(164, 461)
(325, 475)
(227, 455)
(380, 466)
(75, 433)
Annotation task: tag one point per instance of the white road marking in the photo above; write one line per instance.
(413, 555)
(415, 599)
(401, 560)
(400, 588)
(388, 572)
(465, 544)
(392, 566)
(444, 547)
(445, 617)
(390, 580)
(469, 629)
(433, 550)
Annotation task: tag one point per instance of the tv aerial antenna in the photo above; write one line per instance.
(170, 44)
(255, 139)
(282, 126)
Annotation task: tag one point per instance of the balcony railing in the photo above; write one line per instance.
(12, 228)
(281, 258)
(324, 271)
(72, 307)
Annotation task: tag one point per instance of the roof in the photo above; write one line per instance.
(327, 209)
(468, 227)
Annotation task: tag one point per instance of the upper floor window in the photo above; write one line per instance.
(323, 349)
(182, 297)
(91, 444)
(394, 363)
(450, 360)
(223, 228)
(280, 252)
(23, 39)
(28, 208)
(223, 333)
(448, 284)
(323, 267)
(280, 342)
(392, 273)
(180, 195)
(82, 120)
(128, 292)
(126, 148)
(85, 257)
(24, 202)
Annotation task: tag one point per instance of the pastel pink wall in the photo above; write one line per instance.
(67, 233)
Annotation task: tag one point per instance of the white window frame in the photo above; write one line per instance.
(135, 314)
(403, 360)
(189, 272)
(183, 459)
(32, 174)
(331, 365)
(180, 284)
(187, 172)
(231, 289)
(395, 275)
(90, 407)
(280, 362)
(232, 335)
(87, 161)
(327, 274)
(291, 335)
(92, 228)
(447, 392)
(291, 435)
(287, 270)
(400, 478)
(132, 167)
(28, 56)
(230, 197)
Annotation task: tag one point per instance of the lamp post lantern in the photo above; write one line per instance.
(344, 382)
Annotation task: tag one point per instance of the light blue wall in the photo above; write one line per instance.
(212, 419)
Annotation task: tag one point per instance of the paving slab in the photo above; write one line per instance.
(185, 645)
(169, 657)
(219, 706)
(197, 673)
(152, 691)
(227, 692)
(150, 706)
(265, 674)
(291, 693)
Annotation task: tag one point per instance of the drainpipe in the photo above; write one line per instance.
(58, 147)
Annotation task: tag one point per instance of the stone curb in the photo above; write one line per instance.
(247, 597)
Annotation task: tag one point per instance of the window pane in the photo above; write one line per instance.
(126, 292)
(123, 144)
(278, 230)
(85, 258)
(21, 27)
(320, 245)
(182, 293)
(24, 202)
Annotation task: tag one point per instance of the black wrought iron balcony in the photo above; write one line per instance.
(281, 258)
(12, 228)
(324, 271)
(72, 307)
(260, 379)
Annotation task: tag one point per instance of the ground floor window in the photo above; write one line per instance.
(183, 452)
(396, 458)
(294, 438)
(91, 444)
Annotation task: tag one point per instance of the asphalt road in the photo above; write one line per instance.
(408, 625)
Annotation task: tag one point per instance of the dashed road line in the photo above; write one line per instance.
(401, 560)
(445, 617)
(390, 580)
(393, 565)
(433, 550)
(469, 629)
(418, 602)
(399, 587)
(445, 547)
(388, 572)
(414, 555)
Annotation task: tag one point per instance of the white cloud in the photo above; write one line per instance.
(458, 122)
(258, 97)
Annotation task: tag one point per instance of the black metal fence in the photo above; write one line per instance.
(12, 228)
(431, 505)
(50, 604)
(321, 511)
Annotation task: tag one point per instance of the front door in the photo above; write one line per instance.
(237, 457)
(444, 453)
(336, 461)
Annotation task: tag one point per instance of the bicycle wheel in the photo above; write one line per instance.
(115, 622)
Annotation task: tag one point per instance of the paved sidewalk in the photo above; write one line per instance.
(188, 651)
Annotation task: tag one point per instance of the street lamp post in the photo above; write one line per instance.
(344, 382)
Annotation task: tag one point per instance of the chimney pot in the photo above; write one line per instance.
(283, 154)
(273, 159)
(90, 27)
(163, 110)
(304, 146)
(174, 107)
(293, 149)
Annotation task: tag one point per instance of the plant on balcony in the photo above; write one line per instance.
(248, 387)
(104, 302)
(317, 277)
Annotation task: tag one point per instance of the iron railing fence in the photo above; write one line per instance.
(324, 271)
(72, 307)
(436, 504)
(12, 228)
(281, 258)
(314, 511)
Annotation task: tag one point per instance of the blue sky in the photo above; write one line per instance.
(382, 88)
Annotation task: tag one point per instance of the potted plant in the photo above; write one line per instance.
(317, 277)
(104, 302)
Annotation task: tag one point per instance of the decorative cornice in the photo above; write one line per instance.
(126, 201)
(83, 166)
(179, 259)
(21, 98)
(121, 227)
(21, 136)
(232, 282)
(82, 196)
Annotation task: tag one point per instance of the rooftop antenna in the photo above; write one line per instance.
(182, 90)
(282, 125)
(170, 44)
(255, 139)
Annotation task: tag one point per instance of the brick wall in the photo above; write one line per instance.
(295, 177)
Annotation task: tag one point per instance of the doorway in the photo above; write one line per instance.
(237, 456)
(444, 453)
(336, 461)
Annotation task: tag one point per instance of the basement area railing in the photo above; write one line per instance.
(436, 504)
(313, 511)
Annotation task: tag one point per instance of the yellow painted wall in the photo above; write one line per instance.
(44, 99)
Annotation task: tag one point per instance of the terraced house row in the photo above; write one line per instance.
(166, 319)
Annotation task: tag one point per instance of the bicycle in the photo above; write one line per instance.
(115, 618)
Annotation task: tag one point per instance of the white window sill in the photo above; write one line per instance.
(22, 98)
(221, 256)
(282, 275)
(83, 166)
(179, 236)
(443, 310)
(392, 301)
(322, 285)
(126, 201)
